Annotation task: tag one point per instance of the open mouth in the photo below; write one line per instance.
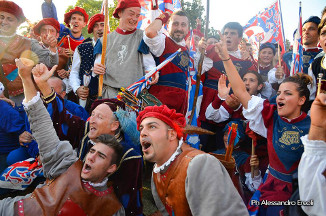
(280, 104)
(145, 144)
(87, 168)
(247, 88)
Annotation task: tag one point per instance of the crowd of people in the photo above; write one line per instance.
(93, 151)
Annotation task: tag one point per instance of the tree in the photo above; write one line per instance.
(194, 10)
(93, 7)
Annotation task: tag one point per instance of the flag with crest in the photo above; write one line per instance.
(297, 63)
(193, 139)
(20, 175)
(149, 13)
(266, 26)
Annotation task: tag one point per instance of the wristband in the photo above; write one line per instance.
(164, 17)
(226, 59)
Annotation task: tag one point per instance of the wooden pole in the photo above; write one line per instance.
(104, 43)
(252, 153)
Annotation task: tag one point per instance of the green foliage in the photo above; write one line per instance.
(194, 10)
(93, 7)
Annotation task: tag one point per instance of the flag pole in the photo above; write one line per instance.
(200, 66)
(105, 35)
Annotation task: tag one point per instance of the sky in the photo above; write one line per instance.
(221, 12)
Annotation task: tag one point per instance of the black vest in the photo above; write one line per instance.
(87, 59)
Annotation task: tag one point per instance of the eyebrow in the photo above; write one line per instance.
(99, 152)
(149, 123)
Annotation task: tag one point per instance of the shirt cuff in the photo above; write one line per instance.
(27, 104)
(313, 147)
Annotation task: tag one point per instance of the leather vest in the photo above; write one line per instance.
(170, 186)
(67, 195)
(8, 53)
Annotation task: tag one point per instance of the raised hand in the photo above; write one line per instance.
(221, 48)
(202, 45)
(232, 101)
(41, 73)
(318, 116)
(223, 90)
(279, 72)
(24, 67)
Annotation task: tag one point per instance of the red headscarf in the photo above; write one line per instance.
(71, 12)
(175, 120)
(46, 21)
(12, 8)
(123, 4)
(95, 18)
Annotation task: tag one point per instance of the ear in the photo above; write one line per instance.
(260, 86)
(57, 35)
(302, 100)
(115, 125)
(63, 94)
(172, 134)
(84, 24)
(112, 168)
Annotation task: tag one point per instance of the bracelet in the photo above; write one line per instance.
(164, 17)
(226, 59)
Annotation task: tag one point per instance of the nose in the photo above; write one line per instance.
(91, 157)
(143, 133)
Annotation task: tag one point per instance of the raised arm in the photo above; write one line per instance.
(56, 156)
(237, 84)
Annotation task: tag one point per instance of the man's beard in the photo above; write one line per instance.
(177, 39)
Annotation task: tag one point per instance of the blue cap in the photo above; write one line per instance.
(267, 45)
(314, 19)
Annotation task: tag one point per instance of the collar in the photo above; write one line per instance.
(164, 166)
(311, 49)
(96, 185)
(323, 62)
(295, 120)
(236, 54)
(124, 32)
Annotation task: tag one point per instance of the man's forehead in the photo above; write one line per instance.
(136, 10)
(177, 18)
(310, 24)
(45, 27)
(151, 120)
(103, 108)
(77, 15)
(230, 30)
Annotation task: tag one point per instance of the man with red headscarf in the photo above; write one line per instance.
(70, 37)
(185, 181)
(46, 50)
(83, 61)
(125, 61)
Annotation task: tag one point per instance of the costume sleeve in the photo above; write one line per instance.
(157, 44)
(272, 78)
(67, 126)
(209, 189)
(149, 62)
(216, 112)
(312, 88)
(312, 176)
(74, 80)
(254, 114)
(253, 183)
(56, 156)
(44, 54)
(11, 121)
(157, 200)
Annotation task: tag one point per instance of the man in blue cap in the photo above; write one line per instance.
(309, 42)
